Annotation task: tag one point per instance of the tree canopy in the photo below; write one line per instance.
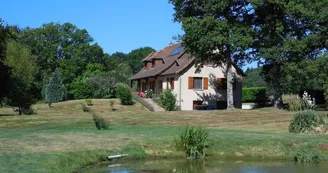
(32, 59)
(273, 32)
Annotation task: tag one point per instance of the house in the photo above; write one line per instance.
(173, 68)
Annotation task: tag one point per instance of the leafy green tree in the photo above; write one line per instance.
(4, 69)
(253, 78)
(80, 87)
(61, 46)
(55, 91)
(218, 31)
(287, 31)
(23, 68)
(136, 56)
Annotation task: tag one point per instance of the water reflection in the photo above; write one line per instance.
(183, 166)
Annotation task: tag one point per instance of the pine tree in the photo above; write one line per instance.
(55, 90)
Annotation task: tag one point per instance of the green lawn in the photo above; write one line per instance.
(64, 138)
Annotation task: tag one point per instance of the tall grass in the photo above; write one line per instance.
(193, 141)
(307, 155)
(293, 101)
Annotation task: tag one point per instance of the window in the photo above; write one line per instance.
(177, 51)
(222, 84)
(198, 81)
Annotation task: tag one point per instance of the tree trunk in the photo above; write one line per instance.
(229, 75)
(19, 111)
(277, 95)
(276, 86)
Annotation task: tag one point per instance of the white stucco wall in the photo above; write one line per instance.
(186, 96)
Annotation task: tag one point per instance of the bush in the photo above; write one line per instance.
(293, 102)
(24, 110)
(111, 104)
(149, 93)
(100, 122)
(88, 102)
(123, 92)
(256, 95)
(85, 108)
(143, 102)
(168, 100)
(312, 156)
(80, 89)
(102, 86)
(193, 141)
(304, 122)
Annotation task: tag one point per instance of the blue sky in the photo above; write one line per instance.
(116, 25)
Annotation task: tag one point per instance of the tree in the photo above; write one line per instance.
(253, 78)
(217, 31)
(136, 56)
(23, 92)
(55, 90)
(288, 31)
(61, 46)
(4, 69)
(80, 87)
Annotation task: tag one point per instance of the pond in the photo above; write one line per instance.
(183, 166)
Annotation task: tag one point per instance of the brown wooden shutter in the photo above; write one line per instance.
(220, 82)
(172, 83)
(205, 83)
(190, 83)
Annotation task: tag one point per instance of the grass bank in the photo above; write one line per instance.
(64, 138)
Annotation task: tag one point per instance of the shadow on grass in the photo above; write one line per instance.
(7, 115)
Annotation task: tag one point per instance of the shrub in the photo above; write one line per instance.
(257, 95)
(80, 89)
(88, 102)
(102, 86)
(24, 110)
(100, 122)
(308, 102)
(149, 93)
(123, 92)
(193, 141)
(85, 108)
(304, 122)
(111, 104)
(143, 102)
(293, 102)
(168, 100)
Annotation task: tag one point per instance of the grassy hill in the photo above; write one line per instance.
(65, 139)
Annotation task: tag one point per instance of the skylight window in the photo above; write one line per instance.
(177, 51)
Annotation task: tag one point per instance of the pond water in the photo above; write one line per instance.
(183, 166)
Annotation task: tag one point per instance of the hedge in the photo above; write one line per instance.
(257, 95)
